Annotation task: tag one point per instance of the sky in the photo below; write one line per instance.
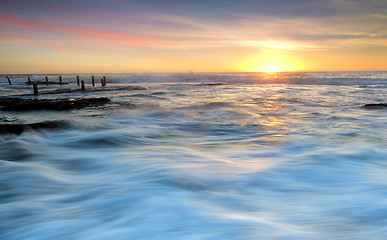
(133, 36)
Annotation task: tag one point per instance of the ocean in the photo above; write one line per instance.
(200, 156)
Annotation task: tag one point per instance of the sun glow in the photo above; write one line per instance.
(271, 69)
(271, 63)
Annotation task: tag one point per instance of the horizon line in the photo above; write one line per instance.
(183, 72)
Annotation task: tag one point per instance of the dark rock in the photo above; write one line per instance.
(18, 104)
(121, 88)
(375, 105)
(6, 101)
(19, 128)
(211, 84)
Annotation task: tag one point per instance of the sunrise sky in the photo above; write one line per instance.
(117, 36)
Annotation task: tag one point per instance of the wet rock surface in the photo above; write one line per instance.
(19, 104)
(91, 89)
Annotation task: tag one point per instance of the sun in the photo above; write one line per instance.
(271, 69)
(270, 63)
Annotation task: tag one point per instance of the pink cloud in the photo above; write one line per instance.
(111, 36)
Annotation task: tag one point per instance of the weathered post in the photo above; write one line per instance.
(29, 80)
(102, 82)
(46, 80)
(83, 86)
(60, 80)
(9, 80)
(92, 80)
(77, 80)
(35, 86)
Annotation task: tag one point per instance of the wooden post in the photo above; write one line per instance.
(83, 86)
(9, 80)
(29, 80)
(102, 82)
(46, 80)
(92, 80)
(77, 80)
(35, 86)
(60, 80)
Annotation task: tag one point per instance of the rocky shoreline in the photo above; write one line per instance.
(19, 104)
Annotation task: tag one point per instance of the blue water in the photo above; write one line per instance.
(202, 156)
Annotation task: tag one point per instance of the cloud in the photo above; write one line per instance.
(183, 30)
(99, 34)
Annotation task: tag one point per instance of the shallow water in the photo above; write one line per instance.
(254, 156)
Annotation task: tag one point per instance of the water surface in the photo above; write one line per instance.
(202, 156)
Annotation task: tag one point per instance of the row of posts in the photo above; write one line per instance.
(82, 83)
